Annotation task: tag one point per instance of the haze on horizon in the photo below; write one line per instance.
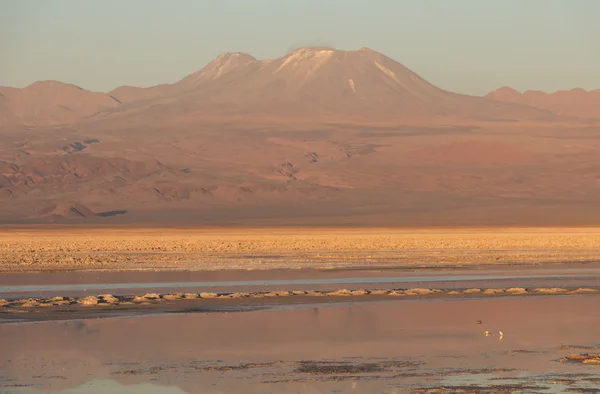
(467, 46)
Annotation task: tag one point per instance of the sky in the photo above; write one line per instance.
(466, 46)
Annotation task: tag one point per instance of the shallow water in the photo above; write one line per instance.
(375, 347)
(300, 283)
(77, 284)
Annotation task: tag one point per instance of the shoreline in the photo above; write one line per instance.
(105, 305)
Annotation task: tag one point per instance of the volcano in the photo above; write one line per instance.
(315, 82)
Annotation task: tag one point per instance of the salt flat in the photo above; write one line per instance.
(68, 249)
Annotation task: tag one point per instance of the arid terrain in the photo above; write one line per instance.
(25, 250)
(316, 137)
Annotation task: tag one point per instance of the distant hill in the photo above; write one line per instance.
(576, 102)
(51, 102)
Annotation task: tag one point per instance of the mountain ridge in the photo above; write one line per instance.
(319, 83)
(576, 102)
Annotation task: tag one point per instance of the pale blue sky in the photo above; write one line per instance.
(468, 46)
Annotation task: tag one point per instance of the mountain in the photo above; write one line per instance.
(51, 102)
(219, 67)
(317, 83)
(576, 102)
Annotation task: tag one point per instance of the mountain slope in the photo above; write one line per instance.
(6, 116)
(219, 67)
(575, 102)
(67, 209)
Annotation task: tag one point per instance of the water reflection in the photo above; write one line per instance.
(106, 386)
(372, 347)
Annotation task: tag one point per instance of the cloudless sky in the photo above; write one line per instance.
(467, 46)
